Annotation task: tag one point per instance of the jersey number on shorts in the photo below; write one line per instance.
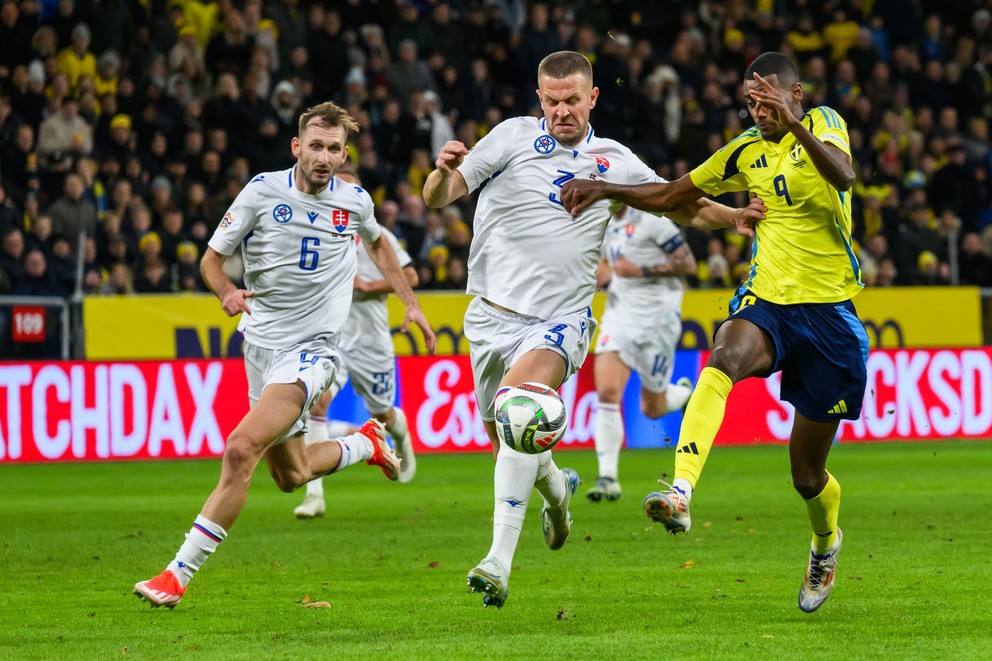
(559, 182)
(555, 334)
(660, 363)
(308, 256)
(383, 382)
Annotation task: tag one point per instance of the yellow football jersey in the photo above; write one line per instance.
(802, 249)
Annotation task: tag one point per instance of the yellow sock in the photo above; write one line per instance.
(703, 418)
(823, 511)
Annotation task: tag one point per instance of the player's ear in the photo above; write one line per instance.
(344, 155)
(797, 92)
(295, 147)
(593, 96)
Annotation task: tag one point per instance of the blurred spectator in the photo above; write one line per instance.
(119, 280)
(36, 279)
(71, 213)
(64, 136)
(408, 74)
(975, 267)
(39, 237)
(152, 277)
(12, 256)
(76, 60)
(62, 265)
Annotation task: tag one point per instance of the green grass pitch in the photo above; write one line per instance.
(391, 559)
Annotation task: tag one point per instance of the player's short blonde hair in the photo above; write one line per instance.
(329, 115)
(564, 63)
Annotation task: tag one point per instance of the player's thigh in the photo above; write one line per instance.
(270, 419)
(568, 336)
(542, 365)
(489, 334)
(611, 375)
(742, 348)
(287, 463)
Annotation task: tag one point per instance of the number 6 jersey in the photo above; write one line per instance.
(299, 255)
(528, 254)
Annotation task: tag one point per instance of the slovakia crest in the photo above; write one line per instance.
(339, 219)
(545, 144)
(628, 229)
(282, 213)
(602, 164)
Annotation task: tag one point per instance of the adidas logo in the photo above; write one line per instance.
(688, 448)
(760, 163)
(839, 407)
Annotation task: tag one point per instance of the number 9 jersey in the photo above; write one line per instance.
(299, 255)
(802, 249)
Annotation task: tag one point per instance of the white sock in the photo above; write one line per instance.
(609, 439)
(338, 428)
(316, 431)
(354, 448)
(201, 540)
(551, 482)
(513, 480)
(399, 431)
(683, 485)
(676, 396)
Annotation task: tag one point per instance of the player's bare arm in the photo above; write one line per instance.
(446, 184)
(705, 214)
(383, 286)
(578, 194)
(384, 258)
(832, 163)
(233, 300)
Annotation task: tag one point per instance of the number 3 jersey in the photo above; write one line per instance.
(299, 255)
(802, 251)
(529, 254)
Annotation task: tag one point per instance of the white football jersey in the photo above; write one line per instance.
(299, 255)
(645, 240)
(368, 321)
(528, 254)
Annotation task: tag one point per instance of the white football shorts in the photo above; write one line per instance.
(372, 371)
(648, 351)
(313, 363)
(498, 338)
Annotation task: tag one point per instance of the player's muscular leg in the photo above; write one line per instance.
(741, 349)
(611, 377)
(272, 415)
(323, 403)
(809, 446)
(387, 418)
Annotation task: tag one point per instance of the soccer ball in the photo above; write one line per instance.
(530, 417)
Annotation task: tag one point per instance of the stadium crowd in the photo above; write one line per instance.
(138, 121)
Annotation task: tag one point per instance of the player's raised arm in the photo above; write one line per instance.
(384, 257)
(705, 214)
(832, 163)
(657, 197)
(233, 300)
(446, 184)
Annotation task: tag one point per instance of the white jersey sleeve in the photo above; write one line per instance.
(237, 223)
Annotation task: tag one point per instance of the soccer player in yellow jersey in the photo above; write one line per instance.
(794, 312)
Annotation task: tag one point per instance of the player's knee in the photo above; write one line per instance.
(387, 417)
(289, 480)
(807, 484)
(609, 394)
(239, 457)
(728, 359)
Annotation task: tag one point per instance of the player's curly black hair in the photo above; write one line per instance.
(775, 63)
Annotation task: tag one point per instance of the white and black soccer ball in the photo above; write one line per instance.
(530, 417)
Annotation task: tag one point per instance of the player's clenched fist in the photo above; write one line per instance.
(578, 194)
(451, 156)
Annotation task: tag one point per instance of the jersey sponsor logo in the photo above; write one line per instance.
(545, 144)
(283, 213)
(339, 219)
(227, 221)
(760, 163)
(311, 216)
(602, 164)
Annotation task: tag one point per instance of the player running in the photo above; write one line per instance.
(532, 269)
(296, 229)
(794, 313)
(644, 259)
(369, 360)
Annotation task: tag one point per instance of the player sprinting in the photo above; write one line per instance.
(369, 360)
(296, 229)
(794, 313)
(644, 259)
(532, 270)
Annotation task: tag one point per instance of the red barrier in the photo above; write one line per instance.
(148, 410)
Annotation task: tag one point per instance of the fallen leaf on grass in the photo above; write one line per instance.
(124, 651)
(319, 604)
(305, 600)
(433, 564)
(688, 564)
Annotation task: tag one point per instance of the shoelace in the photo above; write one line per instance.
(680, 497)
(818, 568)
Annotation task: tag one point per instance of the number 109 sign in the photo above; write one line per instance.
(29, 324)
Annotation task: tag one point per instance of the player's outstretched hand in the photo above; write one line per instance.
(236, 302)
(416, 316)
(578, 194)
(774, 99)
(451, 156)
(746, 218)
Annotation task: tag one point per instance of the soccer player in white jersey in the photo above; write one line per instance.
(644, 259)
(297, 230)
(532, 269)
(369, 360)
